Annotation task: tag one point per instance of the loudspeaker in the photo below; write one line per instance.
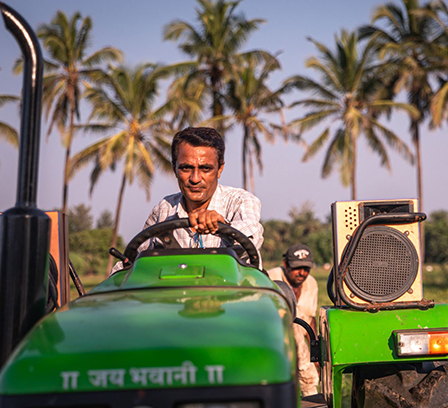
(386, 266)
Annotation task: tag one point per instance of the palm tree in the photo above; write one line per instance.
(8, 133)
(248, 96)
(185, 103)
(438, 12)
(348, 98)
(409, 40)
(66, 42)
(123, 102)
(213, 44)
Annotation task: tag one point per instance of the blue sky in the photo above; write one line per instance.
(135, 26)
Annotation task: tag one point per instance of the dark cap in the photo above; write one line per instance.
(299, 255)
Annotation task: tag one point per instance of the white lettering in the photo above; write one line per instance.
(116, 377)
(156, 376)
(70, 380)
(102, 378)
(185, 374)
(139, 375)
(215, 373)
(187, 369)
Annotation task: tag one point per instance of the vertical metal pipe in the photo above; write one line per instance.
(31, 105)
(24, 229)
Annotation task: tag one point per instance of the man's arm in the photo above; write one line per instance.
(205, 221)
(241, 211)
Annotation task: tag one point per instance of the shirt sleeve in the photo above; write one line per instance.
(153, 218)
(246, 218)
(307, 304)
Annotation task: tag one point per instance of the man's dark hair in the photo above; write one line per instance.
(198, 136)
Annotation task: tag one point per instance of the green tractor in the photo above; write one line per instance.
(200, 328)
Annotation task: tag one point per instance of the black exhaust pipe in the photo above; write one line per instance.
(24, 229)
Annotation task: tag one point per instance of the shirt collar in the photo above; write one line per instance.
(216, 200)
(180, 208)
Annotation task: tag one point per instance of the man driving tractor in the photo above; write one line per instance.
(198, 161)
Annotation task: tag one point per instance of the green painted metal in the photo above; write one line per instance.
(129, 335)
(218, 270)
(359, 338)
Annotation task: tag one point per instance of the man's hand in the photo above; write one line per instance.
(205, 221)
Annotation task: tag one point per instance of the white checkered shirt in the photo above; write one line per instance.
(239, 207)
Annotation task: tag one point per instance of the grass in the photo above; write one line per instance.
(88, 282)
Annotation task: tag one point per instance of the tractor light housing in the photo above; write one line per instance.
(421, 342)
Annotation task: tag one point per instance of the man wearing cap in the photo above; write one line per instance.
(295, 271)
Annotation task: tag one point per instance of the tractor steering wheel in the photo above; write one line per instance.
(163, 231)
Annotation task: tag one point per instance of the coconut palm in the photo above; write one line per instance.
(123, 102)
(438, 12)
(248, 96)
(347, 100)
(7, 132)
(408, 38)
(185, 103)
(213, 43)
(66, 42)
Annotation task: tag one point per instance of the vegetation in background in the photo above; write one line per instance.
(66, 42)
(123, 102)
(214, 45)
(248, 97)
(8, 133)
(89, 246)
(412, 48)
(304, 228)
(348, 99)
(436, 238)
(404, 49)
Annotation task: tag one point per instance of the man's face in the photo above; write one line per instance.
(296, 276)
(197, 173)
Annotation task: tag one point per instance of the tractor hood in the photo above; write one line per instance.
(156, 338)
(194, 267)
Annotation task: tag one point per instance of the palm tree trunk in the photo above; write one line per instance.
(67, 159)
(113, 242)
(251, 175)
(416, 141)
(217, 108)
(245, 139)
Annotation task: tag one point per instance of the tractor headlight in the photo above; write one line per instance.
(421, 342)
(221, 405)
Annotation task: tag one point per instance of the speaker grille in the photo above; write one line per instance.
(384, 266)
